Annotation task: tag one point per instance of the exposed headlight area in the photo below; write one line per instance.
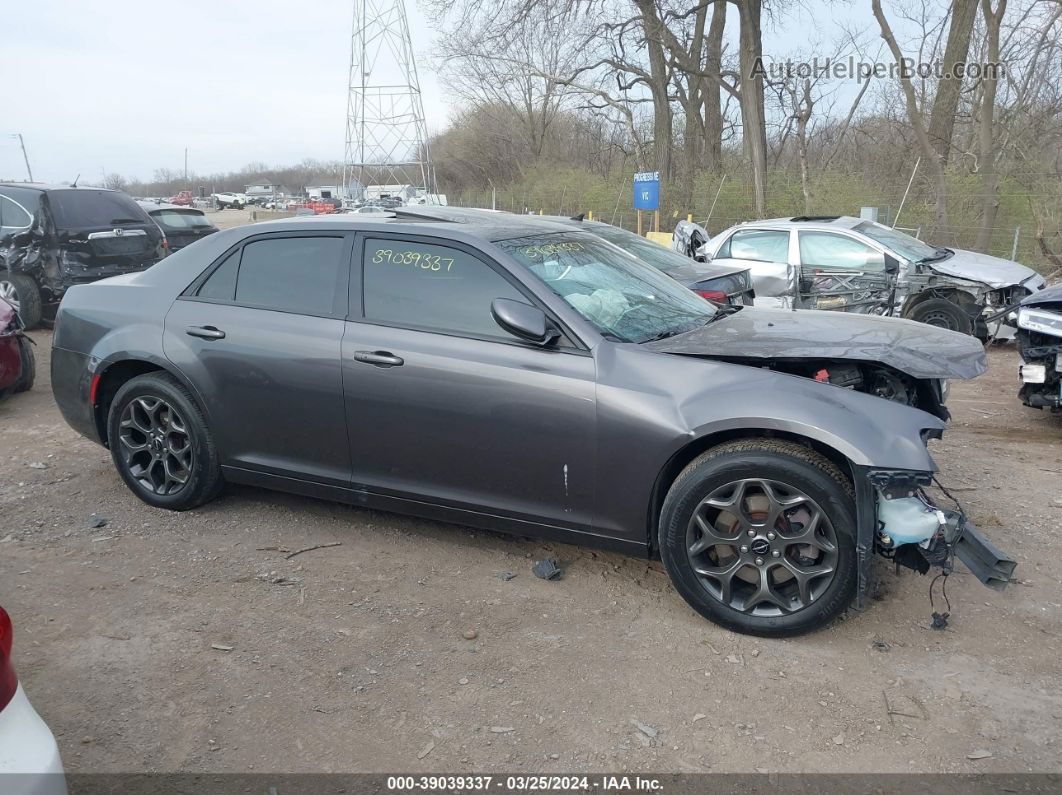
(1040, 321)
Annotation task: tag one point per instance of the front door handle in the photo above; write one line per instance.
(205, 332)
(379, 358)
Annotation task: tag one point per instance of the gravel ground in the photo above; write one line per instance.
(165, 641)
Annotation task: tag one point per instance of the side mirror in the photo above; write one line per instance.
(523, 320)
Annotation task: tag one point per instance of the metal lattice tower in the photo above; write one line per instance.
(387, 141)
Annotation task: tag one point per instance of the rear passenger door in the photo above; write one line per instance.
(259, 336)
(445, 407)
(766, 253)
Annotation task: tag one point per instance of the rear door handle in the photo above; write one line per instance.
(379, 358)
(205, 332)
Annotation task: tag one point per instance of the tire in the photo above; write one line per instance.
(29, 366)
(764, 595)
(161, 444)
(942, 313)
(26, 294)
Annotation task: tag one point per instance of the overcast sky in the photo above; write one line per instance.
(125, 85)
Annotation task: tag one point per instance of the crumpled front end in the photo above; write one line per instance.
(899, 521)
(1040, 344)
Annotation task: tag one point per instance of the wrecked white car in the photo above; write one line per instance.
(853, 265)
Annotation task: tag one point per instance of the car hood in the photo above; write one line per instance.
(993, 271)
(1048, 296)
(917, 349)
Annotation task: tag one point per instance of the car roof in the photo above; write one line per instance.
(503, 226)
(805, 222)
(45, 187)
(152, 206)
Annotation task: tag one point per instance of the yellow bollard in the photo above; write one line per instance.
(689, 218)
(590, 215)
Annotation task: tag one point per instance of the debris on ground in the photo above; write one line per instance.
(880, 645)
(980, 754)
(290, 555)
(38, 465)
(220, 647)
(547, 569)
(698, 716)
(940, 620)
(95, 521)
(427, 749)
(470, 634)
(645, 729)
(506, 575)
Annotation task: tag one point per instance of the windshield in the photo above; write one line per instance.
(900, 243)
(80, 207)
(622, 297)
(646, 250)
(181, 219)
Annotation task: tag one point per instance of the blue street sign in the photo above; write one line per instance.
(647, 190)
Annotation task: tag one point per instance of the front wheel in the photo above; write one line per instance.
(758, 536)
(161, 444)
(942, 313)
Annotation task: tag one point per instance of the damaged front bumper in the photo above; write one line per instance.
(897, 520)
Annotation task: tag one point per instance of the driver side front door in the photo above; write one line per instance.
(444, 407)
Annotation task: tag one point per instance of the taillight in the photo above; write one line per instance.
(715, 296)
(8, 680)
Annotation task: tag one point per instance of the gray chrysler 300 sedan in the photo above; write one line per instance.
(535, 379)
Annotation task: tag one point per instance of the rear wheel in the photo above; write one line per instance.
(758, 536)
(942, 313)
(23, 293)
(161, 444)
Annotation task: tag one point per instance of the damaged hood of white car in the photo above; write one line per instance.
(993, 271)
(917, 349)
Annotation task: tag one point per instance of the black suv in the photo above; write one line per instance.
(52, 238)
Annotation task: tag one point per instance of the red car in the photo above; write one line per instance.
(184, 198)
(18, 367)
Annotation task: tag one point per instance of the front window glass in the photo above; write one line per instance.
(623, 297)
(898, 242)
(758, 245)
(437, 288)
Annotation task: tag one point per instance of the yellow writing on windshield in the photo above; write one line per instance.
(551, 248)
(416, 259)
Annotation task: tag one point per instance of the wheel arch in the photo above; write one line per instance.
(695, 447)
(115, 373)
(957, 295)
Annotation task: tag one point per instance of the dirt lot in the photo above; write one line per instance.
(166, 641)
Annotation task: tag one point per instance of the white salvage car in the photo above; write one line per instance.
(853, 265)
(235, 200)
(29, 757)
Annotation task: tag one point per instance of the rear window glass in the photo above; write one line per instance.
(80, 208)
(295, 274)
(181, 219)
(13, 216)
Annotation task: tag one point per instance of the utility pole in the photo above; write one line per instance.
(25, 157)
(186, 165)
